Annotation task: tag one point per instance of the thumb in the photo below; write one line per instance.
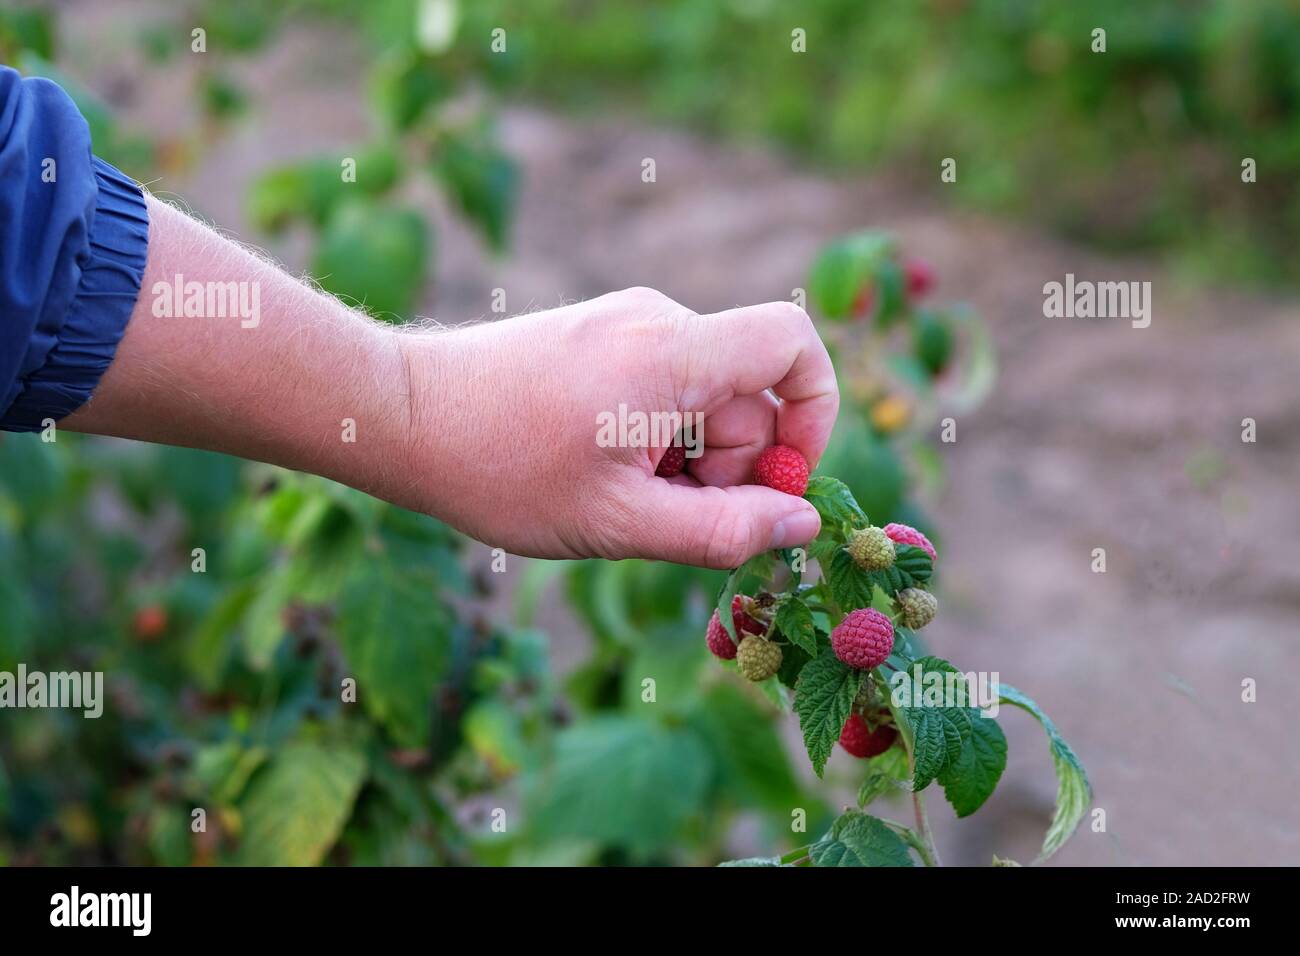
(718, 527)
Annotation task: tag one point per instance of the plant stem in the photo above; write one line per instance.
(929, 852)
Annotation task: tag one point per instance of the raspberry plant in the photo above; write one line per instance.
(843, 636)
(833, 647)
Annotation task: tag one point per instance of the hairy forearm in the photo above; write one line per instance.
(300, 381)
(492, 428)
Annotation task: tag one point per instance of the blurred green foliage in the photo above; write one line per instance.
(226, 682)
(1137, 148)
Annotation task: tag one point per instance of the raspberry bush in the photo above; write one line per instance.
(838, 641)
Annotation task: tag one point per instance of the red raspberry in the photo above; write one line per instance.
(863, 639)
(673, 461)
(906, 534)
(716, 636)
(150, 622)
(919, 276)
(861, 741)
(782, 468)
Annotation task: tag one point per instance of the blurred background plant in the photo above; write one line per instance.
(225, 685)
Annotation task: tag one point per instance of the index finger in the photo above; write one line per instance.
(770, 346)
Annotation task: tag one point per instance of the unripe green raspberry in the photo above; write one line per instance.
(871, 549)
(918, 606)
(758, 658)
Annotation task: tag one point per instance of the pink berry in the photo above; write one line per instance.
(906, 534)
(863, 639)
(783, 468)
(861, 741)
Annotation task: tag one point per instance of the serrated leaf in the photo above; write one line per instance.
(938, 733)
(795, 622)
(970, 780)
(296, 807)
(834, 502)
(824, 547)
(823, 699)
(1073, 791)
(396, 635)
(912, 568)
(850, 586)
(856, 839)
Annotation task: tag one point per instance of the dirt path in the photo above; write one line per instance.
(1097, 435)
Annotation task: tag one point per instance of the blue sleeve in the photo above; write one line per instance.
(73, 237)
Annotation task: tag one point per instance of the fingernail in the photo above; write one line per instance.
(798, 527)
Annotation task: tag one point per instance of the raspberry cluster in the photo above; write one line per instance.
(716, 636)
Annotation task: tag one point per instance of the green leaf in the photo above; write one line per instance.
(723, 607)
(834, 502)
(793, 659)
(752, 767)
(856, 839)
(795, 622)
(970, 780)
(912, 568)
(938, 733)
(1073, 791)
(295, 808)
(482, 181)
(885, 774)
(754, 861)
(842, 269)
(374, 256)
(622, 781)
(851, 587)
(396, 635)
(406, 85)
(312, 189)
(823, 699)
(890, 299)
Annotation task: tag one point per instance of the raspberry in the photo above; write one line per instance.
(919, 276)
(150, 622)
(673, 461)
(906, 534)
(782, 468)
(716, 636)
(863, 639)
(919, 607)
(870, 549)
(861, 741)
(757, 658)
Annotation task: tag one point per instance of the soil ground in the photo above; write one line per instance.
(1097, 435)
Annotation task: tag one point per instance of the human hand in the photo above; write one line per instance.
(504, 422)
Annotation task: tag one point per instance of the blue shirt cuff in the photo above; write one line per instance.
(111, 272)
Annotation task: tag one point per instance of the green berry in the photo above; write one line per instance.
(919, 607)
(758, 658)
(871, 549)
